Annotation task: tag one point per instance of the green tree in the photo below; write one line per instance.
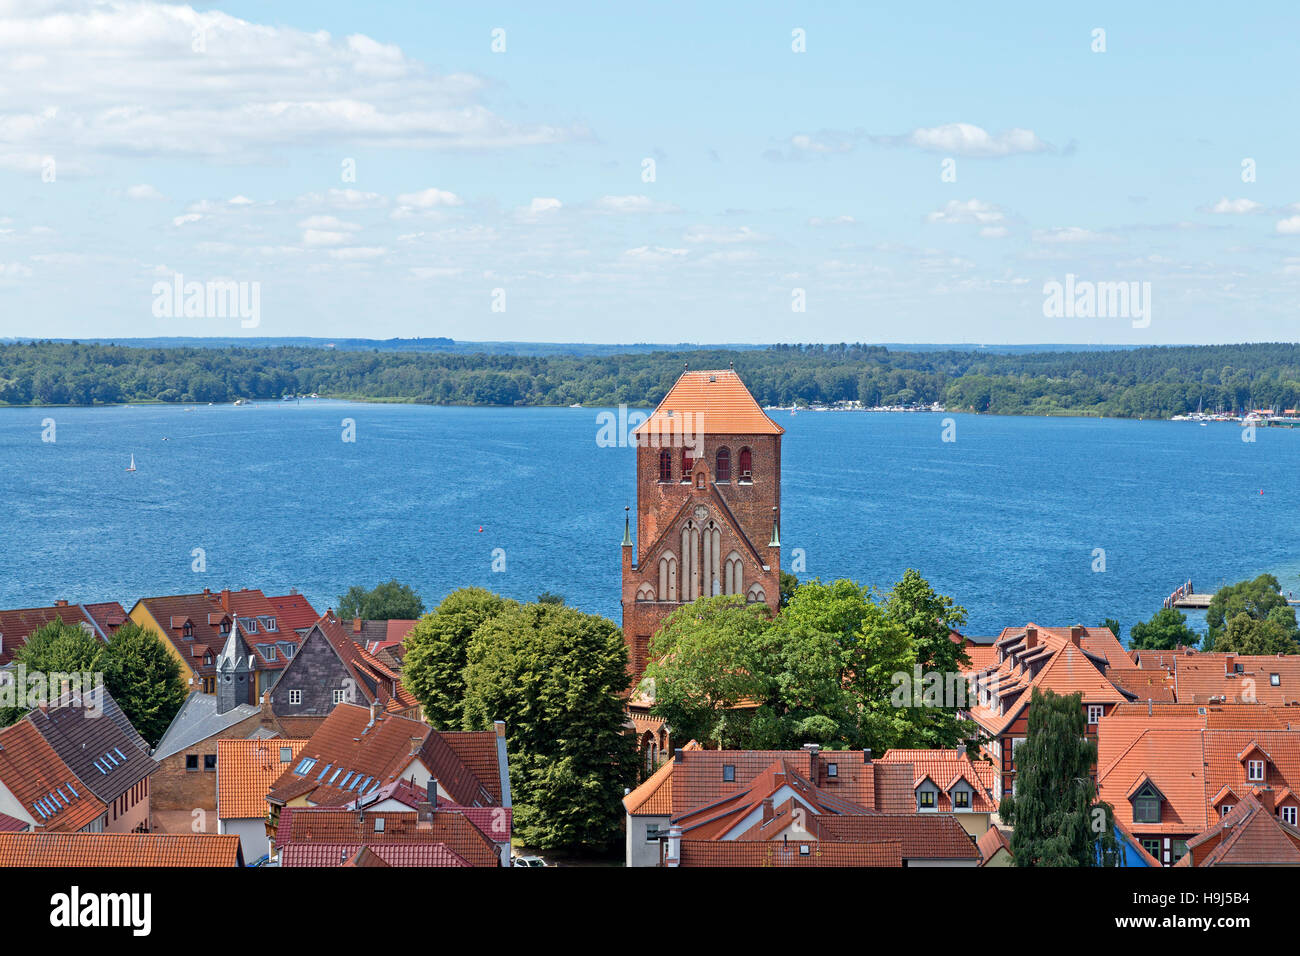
(1057, 817)
(1114, 626)
(549, 597)
(788, 585)
(390, 601)
(437, 650)
(929, 619)
(1246, 635)
(144, 678)
(1260, 599)
(705, 660)
(1166, 630)
(50, 654)
(556, 677)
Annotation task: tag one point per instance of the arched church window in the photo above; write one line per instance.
(723, 467)
(746, 465)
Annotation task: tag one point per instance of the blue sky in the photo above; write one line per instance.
(128, 157)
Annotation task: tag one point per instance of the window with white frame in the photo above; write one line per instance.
(1095, 712)
(1288, 815)
(1255, 770)
(295, 697)
(340, 696)
(1225, 809)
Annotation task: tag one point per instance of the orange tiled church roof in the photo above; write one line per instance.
(719, 400)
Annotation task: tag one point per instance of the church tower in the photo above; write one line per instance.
(708, 506)
(234, 672)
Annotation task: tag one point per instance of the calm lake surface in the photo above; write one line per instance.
(1006, 519)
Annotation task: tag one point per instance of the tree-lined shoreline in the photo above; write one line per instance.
(1154, 382)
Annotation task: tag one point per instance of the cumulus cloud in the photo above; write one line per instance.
(1289, 226)
(1070, 234)
(1235, 207)
(631, 204)
(153, 79)
(966, 139)
(966, 212)
(143, 191)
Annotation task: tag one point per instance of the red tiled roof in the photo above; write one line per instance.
(990, 842)
(245, 771)
(944, 768)
(120, 849)
(735, 853)
(10, 824)
(45, 786)
(18, 625)
(718, 403)
(1202, 678)
(375, 854)
(1246, 836)
(1054, 661)
(348, 747)
(925, 836)
(314, 825)
(292, 611)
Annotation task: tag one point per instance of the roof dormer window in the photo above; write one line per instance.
(1146, 805)
(1255, 771)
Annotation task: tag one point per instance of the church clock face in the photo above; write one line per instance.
(701, 512)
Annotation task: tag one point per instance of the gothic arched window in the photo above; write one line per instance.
(722, 471)
(746, 465)
(665, 465)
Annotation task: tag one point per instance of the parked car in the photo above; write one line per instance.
(528, 861)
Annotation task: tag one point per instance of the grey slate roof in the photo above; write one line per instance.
(198, 720)
(103, 755)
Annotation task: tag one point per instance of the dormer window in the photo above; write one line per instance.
(188, 630)
(961, 799)
(1255, 771)
(1146, 805)
(1095, 712)
(925, 799)
(1225, 810)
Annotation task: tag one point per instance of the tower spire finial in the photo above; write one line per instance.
(627, 527)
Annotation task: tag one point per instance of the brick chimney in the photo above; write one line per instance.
(61, 602)
(768, 810)
(1265, 798)
(225, 599)
(1076, 635)
(1031, 637)
(1229, 664)
(673, 847)
(813, 750)
(356, 625)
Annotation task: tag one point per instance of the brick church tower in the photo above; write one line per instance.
(708, 505)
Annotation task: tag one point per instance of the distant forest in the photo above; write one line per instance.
(1148, 382)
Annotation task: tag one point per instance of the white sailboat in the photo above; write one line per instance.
(132, 468)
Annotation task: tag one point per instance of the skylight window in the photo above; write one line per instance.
(37, 807)
(305, 765)
(336, 775)
(728, 772)
(119, 753)
(323, 772)
(344, 784)
(72, 791)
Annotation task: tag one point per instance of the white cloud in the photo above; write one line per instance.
(1289, 226)
(994, 232)
(631, 204)
(429, 199)
(143, 191)
(542, 204)
(84, 76)
(187, 218)
(713, 234)
(965, 212)
(654, 254)
(359, 252)
(832, 221)
(1070, 234)
(966, 139)
(1235, 207)
(327, 222)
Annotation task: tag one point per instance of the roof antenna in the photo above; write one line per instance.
(686, 366)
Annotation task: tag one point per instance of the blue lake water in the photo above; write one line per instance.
(1006, 519)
